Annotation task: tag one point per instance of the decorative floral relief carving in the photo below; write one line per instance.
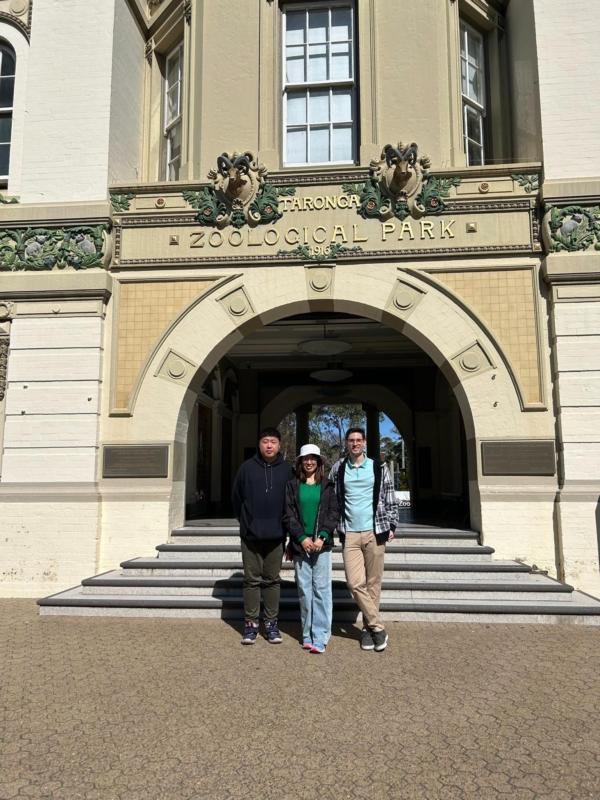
(571, 228)
(531, 183)
(38, 249)
(240, 194)
(399, 185)
(320, 252)
(121, 202)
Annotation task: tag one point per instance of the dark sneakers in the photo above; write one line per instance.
(366, 640)
(380, 640)
(250, 632)
(272, 631)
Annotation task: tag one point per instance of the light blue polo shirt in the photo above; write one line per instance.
(358, 485)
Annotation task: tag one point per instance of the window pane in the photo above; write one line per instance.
(296, 147)
(173, 103)
(294, 27)
(463, 77)
(294, 65)
(4, 157)
(317, 62)
(7, 86)
(8, 61)
(173, 70)
(475, 88)
(473, 125)
(341, 24)
(319, 106)
(341, 105)
(342, 144)
(340, 62)
(474, 45)
(317, 26)
(296, 108)
(174, 170)
(319, 144)
(474, 154)
(175, 142)
(5, 127)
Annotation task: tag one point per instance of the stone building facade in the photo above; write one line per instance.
(196, 189)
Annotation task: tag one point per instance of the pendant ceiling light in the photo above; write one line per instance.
(332, 375)
(327, 346)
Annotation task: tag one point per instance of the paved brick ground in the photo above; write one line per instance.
(113, 709)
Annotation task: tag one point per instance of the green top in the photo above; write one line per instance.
(310, 497)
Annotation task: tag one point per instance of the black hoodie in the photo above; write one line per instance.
(258, 497)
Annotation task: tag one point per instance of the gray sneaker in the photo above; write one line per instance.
(366, 640)
(380, 640)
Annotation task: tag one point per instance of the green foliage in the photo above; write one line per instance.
(434, 192)
(321, 252)
(328, 425)
(39, 249)
(206, 204)
(121, 202)
(266, 204)
(531, 183)
(574, 228)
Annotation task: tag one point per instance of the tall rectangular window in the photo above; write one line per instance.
(319, 87)
(7, 88)
(172, 113)
(472, 73)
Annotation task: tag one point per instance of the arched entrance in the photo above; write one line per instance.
(413, 305)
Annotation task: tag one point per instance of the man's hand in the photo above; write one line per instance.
(391, 536)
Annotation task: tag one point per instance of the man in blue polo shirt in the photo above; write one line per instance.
(369, 515)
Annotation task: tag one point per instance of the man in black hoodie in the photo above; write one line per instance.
(258, 497)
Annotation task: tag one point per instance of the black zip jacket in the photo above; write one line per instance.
(258, 496)
(327, 514)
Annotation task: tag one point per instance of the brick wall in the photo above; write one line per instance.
(568, 61)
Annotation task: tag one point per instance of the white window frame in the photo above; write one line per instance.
(468, 103)
(170, 125)
(320, 85)
(8, 110)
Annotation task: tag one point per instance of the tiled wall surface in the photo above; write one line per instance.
(504, 300)
(145, 310)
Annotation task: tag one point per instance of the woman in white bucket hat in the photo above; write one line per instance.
(310, 517)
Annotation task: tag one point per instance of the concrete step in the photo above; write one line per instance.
(400, 552)
(222, 536)
(115, 583)
(415, 570)
(582, 610)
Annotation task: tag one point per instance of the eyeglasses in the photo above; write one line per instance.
(355, 441)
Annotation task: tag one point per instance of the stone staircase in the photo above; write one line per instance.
(431, 574)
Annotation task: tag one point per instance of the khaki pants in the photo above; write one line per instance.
(363, 562)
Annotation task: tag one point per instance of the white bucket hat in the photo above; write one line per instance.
(309, 450)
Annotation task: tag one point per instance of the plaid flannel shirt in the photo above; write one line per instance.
(386, 514)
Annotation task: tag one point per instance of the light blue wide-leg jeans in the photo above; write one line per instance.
(313, 579)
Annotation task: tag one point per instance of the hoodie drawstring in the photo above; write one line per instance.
(267, 486)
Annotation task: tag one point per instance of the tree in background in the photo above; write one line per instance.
(287, 429)
(328, 425)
